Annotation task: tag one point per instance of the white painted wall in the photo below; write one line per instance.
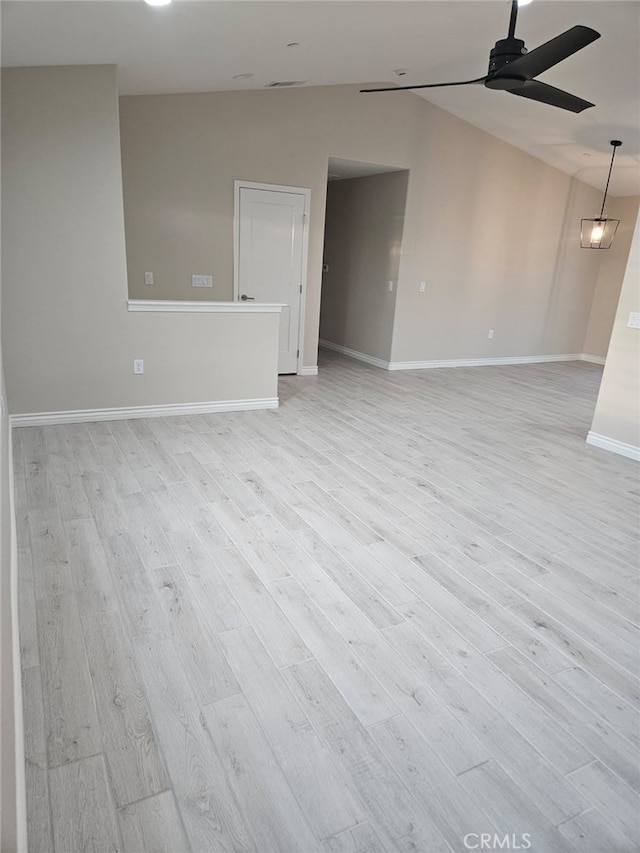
(616, 422)
(9, 685)
(613, 262)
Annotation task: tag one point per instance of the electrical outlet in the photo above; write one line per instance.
(422, 287)
(390, 286)
(490, 335)
(138, 365)
(148, 278)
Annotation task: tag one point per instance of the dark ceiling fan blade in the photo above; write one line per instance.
(541, 58)
(426, 86)
(537, 91)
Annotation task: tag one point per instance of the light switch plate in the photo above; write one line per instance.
(634, 320)
(201, 281)
(148, 278)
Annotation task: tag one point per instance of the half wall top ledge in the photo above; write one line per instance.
(184, 306)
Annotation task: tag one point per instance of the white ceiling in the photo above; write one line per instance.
(199, 45)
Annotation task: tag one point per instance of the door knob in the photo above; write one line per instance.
(244, 297)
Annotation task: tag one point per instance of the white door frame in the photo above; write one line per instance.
(306, 193)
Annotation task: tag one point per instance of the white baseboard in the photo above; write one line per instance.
(459, 362)
(352, 353)
(481, 362)
(614, 446)
(126, 413)
(308, 371)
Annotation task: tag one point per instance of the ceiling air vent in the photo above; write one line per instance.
(280, 84)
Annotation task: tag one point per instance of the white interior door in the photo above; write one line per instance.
(270, 256)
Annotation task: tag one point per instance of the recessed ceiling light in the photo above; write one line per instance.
(523, 2)
(242, 76)
(400, 72)
(157, 2)
(294, 44)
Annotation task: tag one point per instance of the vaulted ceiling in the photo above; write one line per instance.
(206, 45)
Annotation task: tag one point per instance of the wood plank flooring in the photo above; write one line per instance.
(396, 613)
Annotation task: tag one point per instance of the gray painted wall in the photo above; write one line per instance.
(363, 238)
(69, 340)
(493, 231)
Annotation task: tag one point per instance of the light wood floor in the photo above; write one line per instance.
(398, 612)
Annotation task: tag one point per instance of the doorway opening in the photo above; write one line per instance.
(364, 222)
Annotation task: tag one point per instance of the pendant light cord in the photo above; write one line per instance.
(606, 189)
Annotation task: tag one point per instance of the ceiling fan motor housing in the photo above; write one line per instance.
(504, 52)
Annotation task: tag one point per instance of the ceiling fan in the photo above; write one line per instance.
(513, 69)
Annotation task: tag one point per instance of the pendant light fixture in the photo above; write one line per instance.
(599, 233)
